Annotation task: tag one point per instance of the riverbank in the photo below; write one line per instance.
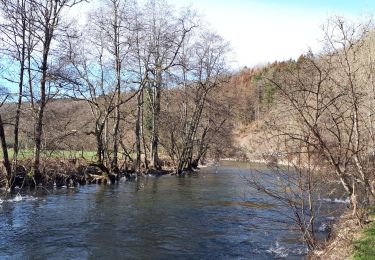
(349, 240)
(71, 173)
(365, 246)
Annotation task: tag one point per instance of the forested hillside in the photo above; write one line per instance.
(239, 101)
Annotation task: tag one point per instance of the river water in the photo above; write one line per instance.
(211, 215)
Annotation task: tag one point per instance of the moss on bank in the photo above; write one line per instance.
(349, 240)
(365, 247)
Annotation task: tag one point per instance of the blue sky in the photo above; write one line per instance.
(349, 6)
(262, 31)
(335, 5)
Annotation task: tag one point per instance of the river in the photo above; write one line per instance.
(210, 215)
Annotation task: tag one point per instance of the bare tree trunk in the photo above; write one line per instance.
(99, 145)
(143, 133)
(154, 160)
(138, 132)
(202, 145)
(30, 79)
(106, 151)
(39, 120)
(18, 114)
(20, 85)
(114, 163)
(6, 161)
(116, 45)
(186, 158)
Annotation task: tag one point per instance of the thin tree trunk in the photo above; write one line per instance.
(186, 158)
(116, 45)
(114, 163)
(39, 120)
(18, 115)
(99, 146)
(20, 88)
(6, 161)
(138, 132)
(155, 123)
(143, 132)
(106, 152)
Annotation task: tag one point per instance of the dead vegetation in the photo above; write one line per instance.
(340, 244)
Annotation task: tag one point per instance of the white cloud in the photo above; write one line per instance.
(264, 36)
(263, 33)
(259, 33)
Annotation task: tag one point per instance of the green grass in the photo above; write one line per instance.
(23, 154)
(365, 247)
(60, 154)
(88, 155)
(26, 154)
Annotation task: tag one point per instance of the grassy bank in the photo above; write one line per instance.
(349, 240)
(27, 154)
(365, 246)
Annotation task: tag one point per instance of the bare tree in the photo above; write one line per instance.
(123, 51)
(46, 23)
(141, 59)
(116, 30)
(15, 46)
(324, 96)
(297, 188)
(86, 64)
(166, 34)
(99, 70)
(6, 162)
(205, 72)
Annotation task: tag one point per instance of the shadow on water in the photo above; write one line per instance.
(246, 204)
(211, 215)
